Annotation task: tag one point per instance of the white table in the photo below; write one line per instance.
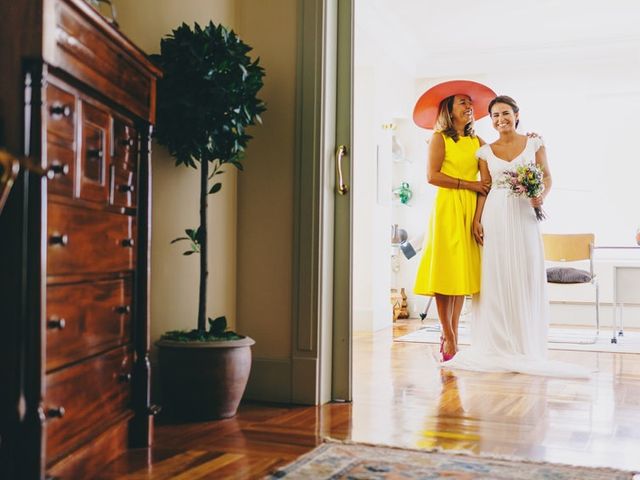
(626, 289)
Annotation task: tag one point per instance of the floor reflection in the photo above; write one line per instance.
(403, 398)
(446, 428)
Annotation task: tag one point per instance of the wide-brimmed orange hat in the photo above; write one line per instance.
(425, 112)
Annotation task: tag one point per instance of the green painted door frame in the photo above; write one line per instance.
(342, 278)
(321, 333)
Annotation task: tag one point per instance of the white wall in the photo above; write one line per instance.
(593, 170)
(265, 200)
(586, 115)
(265, 188)
(381, 95)
(582, 102)
(364, 198)
(251, 222)
(175, 200)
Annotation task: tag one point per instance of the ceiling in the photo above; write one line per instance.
(430, 39)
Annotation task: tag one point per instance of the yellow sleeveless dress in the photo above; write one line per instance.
(450, 262)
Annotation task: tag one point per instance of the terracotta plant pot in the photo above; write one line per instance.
(203, 380)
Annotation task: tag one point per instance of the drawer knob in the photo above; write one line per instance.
(122, 309)
(124, 377)
(56, 323)
(125, 187)
(154, 410)
(128, 242)
(60, 110)
(59, 168)
(57, 412)
(94, 153)
(58, 239)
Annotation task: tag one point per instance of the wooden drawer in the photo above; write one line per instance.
(87, 318)
(82, 240)
(93, 154)
(89, 460)
(63, 161)
(83, 400)
(60, 112)
(99, 58)
(124, 164)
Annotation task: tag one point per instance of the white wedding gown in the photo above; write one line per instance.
(510, 315)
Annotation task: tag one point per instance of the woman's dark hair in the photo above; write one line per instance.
(444, 122)
(507, 100)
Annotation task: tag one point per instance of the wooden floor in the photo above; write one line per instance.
(401, 398)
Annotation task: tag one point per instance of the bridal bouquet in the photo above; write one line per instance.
(525, 181)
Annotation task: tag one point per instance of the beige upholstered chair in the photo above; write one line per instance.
(570, 248)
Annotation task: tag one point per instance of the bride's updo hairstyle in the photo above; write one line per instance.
(507, 100)
(444, 122)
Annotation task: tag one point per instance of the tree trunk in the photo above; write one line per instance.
(204, 193)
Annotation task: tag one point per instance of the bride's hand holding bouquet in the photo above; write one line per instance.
(527, 181)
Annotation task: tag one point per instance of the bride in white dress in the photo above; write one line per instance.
(510, 316)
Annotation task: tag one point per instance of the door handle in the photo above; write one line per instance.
(10, 168)
(343, 188)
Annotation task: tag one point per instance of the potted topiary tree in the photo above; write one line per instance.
(206, 100)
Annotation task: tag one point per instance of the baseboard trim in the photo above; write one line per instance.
(305, 385)
(580, 314)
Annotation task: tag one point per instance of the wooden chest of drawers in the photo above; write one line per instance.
(77, 99)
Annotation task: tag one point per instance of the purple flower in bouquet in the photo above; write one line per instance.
(525, 181)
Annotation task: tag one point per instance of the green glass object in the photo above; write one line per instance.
(403, 192)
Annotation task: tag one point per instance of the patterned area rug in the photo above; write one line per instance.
(358, 462)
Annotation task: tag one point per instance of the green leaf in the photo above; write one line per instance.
(245, 74)
(189, 252)
(179, 239)
(216, 188)
(238, 165)
(217, 326)
(198, 236)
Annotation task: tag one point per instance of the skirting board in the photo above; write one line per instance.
(566, 313)
(569, 313)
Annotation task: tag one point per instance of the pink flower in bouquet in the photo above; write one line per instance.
(525, 181)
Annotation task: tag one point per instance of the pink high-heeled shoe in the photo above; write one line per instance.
(446, 356)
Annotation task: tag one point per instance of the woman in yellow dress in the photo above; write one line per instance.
(450, 264)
